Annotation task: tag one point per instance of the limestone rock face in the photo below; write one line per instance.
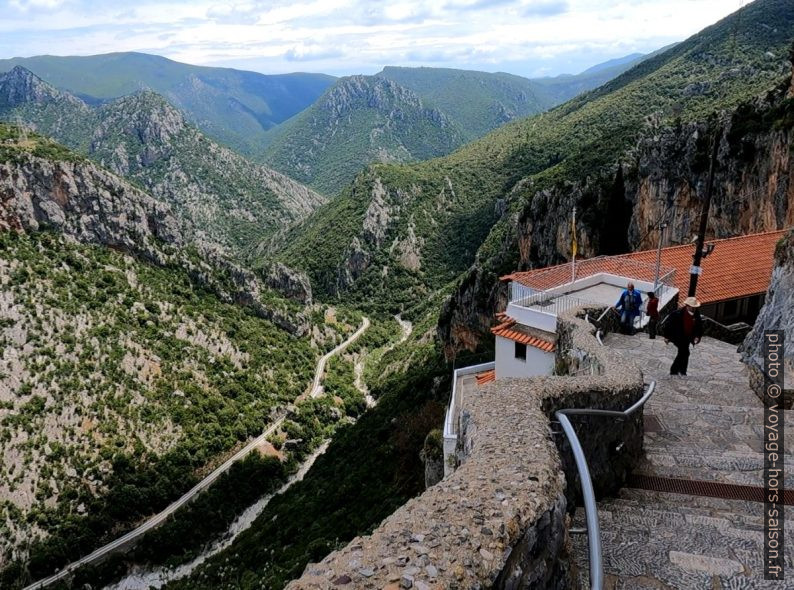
(86, 203)
(91, 205)
(291, 283)
(20, 86)
(777, 314)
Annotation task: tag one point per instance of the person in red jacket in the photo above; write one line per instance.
(652, 309)
(684, 327)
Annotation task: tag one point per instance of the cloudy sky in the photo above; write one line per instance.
(525, 37)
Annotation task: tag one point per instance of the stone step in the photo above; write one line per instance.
(747, 446)
(736, 414)
(742, 471)
(659, 540)
(675, 508)
(694, 390)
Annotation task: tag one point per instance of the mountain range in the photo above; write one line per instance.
(235, 107)
(228, 199)
(141, 352)
(316, 129)
(411, 114)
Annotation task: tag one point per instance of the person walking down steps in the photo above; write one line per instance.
(684, 327)
(652, 309)
(629, 307)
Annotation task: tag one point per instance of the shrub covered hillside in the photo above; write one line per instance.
(121, 381)
(358, 120)
(402, 230)
(370, 468)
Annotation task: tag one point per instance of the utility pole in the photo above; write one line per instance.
(662, 227)
(695, 270)
(574, 245)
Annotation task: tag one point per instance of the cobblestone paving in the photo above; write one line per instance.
(706, 426)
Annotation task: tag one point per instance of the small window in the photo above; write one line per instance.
(521, 351)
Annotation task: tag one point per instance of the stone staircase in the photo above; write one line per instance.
(705, 427)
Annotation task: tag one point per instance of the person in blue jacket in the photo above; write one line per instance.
(629, 308)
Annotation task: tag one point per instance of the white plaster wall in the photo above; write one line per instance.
(538, 362)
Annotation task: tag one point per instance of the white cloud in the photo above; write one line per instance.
(354, 36)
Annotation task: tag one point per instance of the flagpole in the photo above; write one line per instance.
(573, 246)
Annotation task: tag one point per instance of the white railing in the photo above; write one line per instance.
(455, 401)
(549, 302)
(565, 274)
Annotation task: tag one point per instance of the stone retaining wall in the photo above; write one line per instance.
(499, 521)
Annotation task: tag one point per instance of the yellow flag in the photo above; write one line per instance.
(573, 236)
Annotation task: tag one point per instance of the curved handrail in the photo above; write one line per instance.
(588, 495)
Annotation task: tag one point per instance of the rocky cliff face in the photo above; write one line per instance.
(87, 204)
(18, 87)
(777, 314)
(91, 205)
(662, 178)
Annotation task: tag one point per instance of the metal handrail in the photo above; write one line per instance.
(591, 513)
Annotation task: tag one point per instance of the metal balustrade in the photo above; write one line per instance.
(588, 495)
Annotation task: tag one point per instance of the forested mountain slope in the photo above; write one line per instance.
(409, 114)
(130, 359)
(360, 119)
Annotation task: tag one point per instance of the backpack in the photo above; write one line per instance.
(628, 301)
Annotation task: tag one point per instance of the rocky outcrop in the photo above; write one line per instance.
(290, 283)
(777, 314)
(20, 86)
(662, 178)
(91, 205)
(87, 204)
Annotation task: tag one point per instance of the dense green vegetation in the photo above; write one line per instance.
(480, 102)
(16, 145)
(360, 119)
(477, 101)
(129, 379)
(233, 106)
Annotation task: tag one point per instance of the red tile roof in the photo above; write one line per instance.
(485, 377)
(505, 330)
(738, 267)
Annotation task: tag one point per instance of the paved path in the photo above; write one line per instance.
(707, 426)
(317, 388)
(358, 369)
(159, 518)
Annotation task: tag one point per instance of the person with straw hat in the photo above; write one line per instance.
(683, 327)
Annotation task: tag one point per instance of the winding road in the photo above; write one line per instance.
(159, 518)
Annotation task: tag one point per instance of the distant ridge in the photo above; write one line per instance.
(235, 107)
